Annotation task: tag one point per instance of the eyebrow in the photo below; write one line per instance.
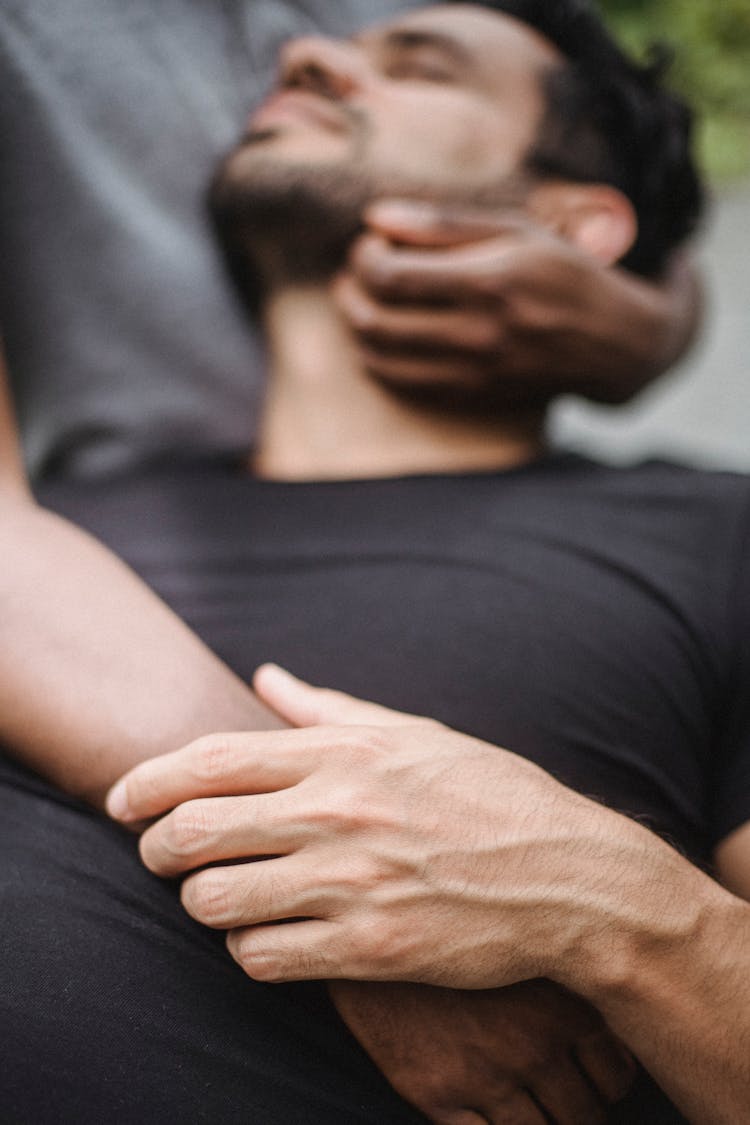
(408, 39)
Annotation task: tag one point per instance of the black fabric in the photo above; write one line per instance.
(115, 1006)
(593, 620)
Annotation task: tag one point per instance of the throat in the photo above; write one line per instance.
(326, 418)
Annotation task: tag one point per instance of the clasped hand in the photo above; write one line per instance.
(403, 851)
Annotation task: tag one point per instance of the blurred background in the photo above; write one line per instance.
(701, 412)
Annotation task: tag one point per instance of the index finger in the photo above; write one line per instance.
(457, 274)
(426, 224)
(218, 765)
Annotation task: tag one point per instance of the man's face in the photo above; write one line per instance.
(441, 104)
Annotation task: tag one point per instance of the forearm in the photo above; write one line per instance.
(431, 856)
(673, 982)
(96, 673)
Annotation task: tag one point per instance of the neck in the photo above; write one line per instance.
(326, 418)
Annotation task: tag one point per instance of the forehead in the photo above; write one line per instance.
(494, 46)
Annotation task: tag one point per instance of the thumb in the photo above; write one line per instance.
(303, 705)
(428, 224)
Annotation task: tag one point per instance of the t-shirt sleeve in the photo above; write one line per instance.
(730, 791)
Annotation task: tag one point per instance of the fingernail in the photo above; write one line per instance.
(117, 802)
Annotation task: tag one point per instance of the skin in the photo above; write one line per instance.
(486, 326)
(77, 704)
(414, 852)
(432, 290)
(474, 127)
(396, 859)
(413, 70)
(108, 710)
(130, 720)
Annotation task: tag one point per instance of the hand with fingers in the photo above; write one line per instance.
(494, 306)
(522, 1055)
(397, 848)
(387, 847)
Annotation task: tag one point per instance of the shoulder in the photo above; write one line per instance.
(662, 518)
(654, 488)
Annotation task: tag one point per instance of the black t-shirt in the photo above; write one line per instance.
(595, 620)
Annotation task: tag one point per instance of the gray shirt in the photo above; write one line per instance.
(123, 338)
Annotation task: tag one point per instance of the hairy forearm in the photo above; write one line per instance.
(674, 984)
(96, 673)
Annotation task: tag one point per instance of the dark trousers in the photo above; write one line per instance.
(116, 1007)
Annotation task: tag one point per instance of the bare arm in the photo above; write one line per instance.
(96, 673)
(676, 989)
(465, 867)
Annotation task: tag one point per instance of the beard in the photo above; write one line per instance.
(282, 222)
(288, 224)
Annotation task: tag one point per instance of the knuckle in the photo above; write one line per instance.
(536, 1060)
(374, 948)
(481, 332)
(143, 786)
(494, 334)
(361, 877)
(214, 758)
(206, 897)
(380, 270)
(188, 828)
(371, 742)
(368, 254)
(434, 1095)
(340, 810)
(496, 283)
(257, 961)
(364, 316)
(357, 746)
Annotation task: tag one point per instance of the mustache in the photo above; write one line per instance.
(354, 119)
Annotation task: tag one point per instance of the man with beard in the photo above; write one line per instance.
(364, 506)
(125, 348)
(123, 344)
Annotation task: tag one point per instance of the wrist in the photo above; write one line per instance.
(660, 949)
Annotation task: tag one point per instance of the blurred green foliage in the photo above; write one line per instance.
(712, 67)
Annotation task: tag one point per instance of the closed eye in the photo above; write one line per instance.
(423, 55)
(419, 65)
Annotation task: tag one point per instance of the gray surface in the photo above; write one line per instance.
(122, 337)
(701, 412)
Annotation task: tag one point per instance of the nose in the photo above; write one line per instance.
(336, 68)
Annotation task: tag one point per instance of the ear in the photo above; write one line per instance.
(597, 218)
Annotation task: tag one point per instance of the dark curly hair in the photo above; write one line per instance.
(610, 120)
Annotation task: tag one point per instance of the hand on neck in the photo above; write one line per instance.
(325, 418)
